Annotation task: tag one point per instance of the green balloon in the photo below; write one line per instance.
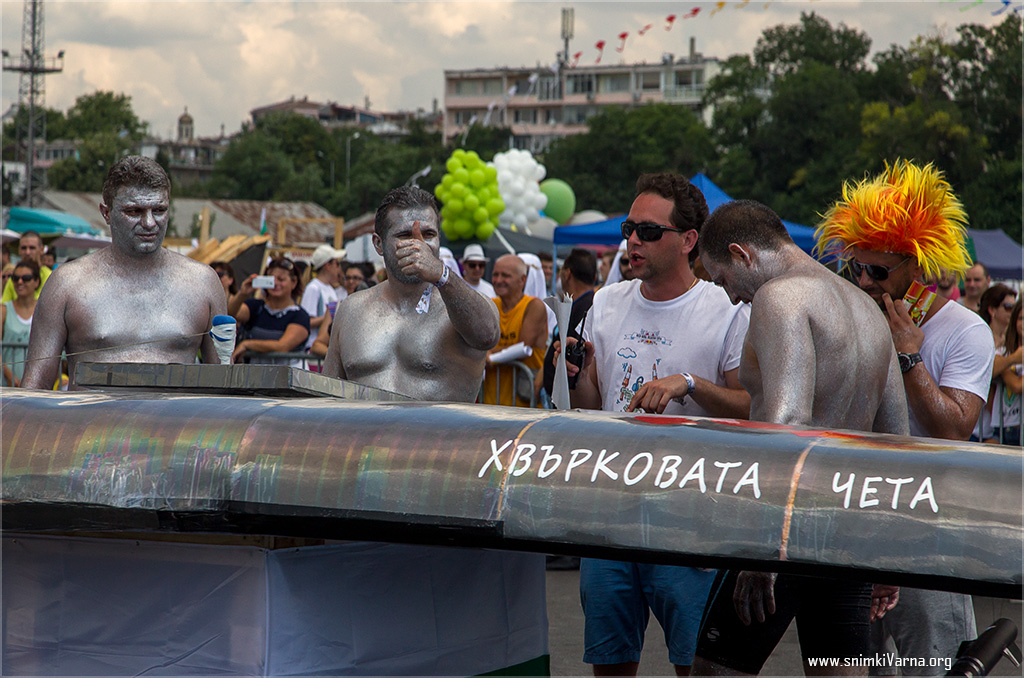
(495, 206)
(459, 190)
(485, 230)
(561, 200)
(464, 228)
(439, 190)
(449, 229)
(477, 178)
(447, 180)
(461, 175)
(455, 207)
(491, 174)
(480, 215)
(459, 154)
(453, 164)
(471, 202)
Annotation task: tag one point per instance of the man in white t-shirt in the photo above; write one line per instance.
(663, 342)
(319, 294)
(474, 263)
(895, 229)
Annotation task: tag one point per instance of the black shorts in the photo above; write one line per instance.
(832, 621)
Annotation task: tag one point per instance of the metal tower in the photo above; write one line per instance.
(33, 66)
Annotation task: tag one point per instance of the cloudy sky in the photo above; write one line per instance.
(221, 59)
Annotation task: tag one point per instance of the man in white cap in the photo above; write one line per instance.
(474, 263)
(320, 298)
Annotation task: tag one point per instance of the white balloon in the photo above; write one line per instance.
(540, 172)
(520, 220)
(544, 228)
(540, 201)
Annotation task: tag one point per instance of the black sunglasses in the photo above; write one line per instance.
(874, 271)
(23, 278)
(474, 264)
(646, 231)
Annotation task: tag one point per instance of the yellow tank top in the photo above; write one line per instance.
(499, 380)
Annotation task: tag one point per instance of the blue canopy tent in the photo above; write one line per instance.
(1001, 254)
(608, 232)
(46, 222)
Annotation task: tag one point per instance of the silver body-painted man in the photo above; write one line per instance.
(407, 335)
(133, 301)
(817, 353)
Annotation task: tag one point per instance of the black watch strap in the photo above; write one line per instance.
(908, 360)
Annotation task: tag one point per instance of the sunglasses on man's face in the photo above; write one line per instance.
(876, 272)
(646, 231)
(474, 264)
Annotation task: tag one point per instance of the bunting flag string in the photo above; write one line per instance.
(720, 5)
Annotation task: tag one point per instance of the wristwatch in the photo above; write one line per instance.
(908, 360)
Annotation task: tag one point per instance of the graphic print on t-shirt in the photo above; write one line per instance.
(633, 379)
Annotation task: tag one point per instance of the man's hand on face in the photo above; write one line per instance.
(907, 337)
(416, 259)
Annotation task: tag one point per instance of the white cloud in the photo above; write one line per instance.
(222, 59)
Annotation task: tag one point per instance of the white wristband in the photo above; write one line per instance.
(444, 277)
(691, 386)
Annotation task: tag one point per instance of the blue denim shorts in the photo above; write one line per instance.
(618, 598)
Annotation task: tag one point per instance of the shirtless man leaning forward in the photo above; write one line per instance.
(422, 333)
(817, 353)
(133, 301)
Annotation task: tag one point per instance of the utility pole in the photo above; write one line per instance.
(33, 66)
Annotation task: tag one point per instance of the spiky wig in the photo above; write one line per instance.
(907, 210)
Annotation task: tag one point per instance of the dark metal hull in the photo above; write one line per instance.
(706, 492)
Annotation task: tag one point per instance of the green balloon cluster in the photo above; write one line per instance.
(469, 197)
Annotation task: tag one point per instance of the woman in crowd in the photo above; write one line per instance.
(1006, 419)
(16, 320)
(227, 277)
(355, 278)
(995, 306)
(275, 324)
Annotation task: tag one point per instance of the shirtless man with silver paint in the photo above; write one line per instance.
(421, 333)
(133, 301)
(817, 353)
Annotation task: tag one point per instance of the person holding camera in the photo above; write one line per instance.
(664, 342)
(276, 323)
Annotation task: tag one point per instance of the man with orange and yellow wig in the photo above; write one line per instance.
(892, 231)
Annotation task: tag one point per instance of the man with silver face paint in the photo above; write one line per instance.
(817, 353)
(422, 333)
(133, 301)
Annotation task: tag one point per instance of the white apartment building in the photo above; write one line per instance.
(540, 105)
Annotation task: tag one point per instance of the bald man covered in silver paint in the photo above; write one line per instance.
(421, 333)
(133, 301)
(817, 353)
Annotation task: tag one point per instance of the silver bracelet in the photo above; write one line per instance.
(444, 277)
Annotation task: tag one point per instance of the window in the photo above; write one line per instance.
(618, 82)
(650, 81)
(492, 86)
(582, 83)
(525, 115)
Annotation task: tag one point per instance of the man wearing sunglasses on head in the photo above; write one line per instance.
(894, 230)
(133, 301)
(665, 342)
(801, 368)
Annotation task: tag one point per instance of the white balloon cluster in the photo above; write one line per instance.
(519, 177)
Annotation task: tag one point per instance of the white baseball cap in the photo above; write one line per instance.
(474, 252)
(324, 254)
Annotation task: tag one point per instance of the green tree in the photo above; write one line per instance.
(253, 167)
(603, 164)
(56, 128)
(87, 170)
(103, 112)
